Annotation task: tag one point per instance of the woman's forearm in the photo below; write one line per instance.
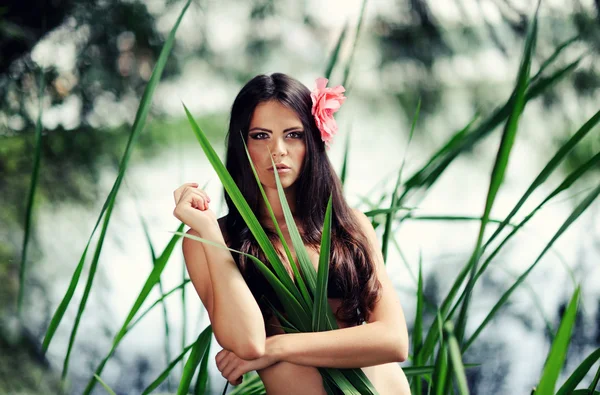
(236, 317)
(354, 347)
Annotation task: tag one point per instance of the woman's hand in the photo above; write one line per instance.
(233, 367)
(191, 206)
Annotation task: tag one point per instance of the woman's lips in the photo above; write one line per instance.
(281, 170)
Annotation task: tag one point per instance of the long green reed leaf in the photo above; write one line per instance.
(37, 155)
(567, 183)
(556, 160)
(163, 376)
(361, 17)
(151, 281)
(245, 211)
(106, 387)
(306, 301)
(394, 201)
(137, 127)
(581, 207)
(333, 58)
(290, 303)
(308, 270)
(500, 165)
(160, 300)
(595, 381)
(417, 335)
(321, 308)
(344, 172)
(198, 351)
(558, 351)
(202, 380)
(575, 378)
(456, 357)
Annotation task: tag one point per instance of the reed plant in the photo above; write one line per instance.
(438, 349)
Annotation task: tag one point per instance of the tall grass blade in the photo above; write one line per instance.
(198, 351)
(163, 376)
(595, 381)
(156, 302)
(290, 303)
(567, 183)
(569, 386)
(151, 281)
(251, 386)
(466, 138)
(202, 380)
(333, 58)
(556, 160)
(307, 301)
(581, 207)
(417, 335)
(500, 165)
(162, 293)
(558, 351)
(456, 357)
(344, 172)
(394, 201)
(308, 270)
(106, 387)
(321, 309)
(37, 155)
(238, 199)
(137, 127)
(356, 37)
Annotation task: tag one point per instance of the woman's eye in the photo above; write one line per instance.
(296, 135)
(259, 136)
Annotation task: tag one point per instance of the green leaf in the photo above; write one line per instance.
(137, 127)
(500, 165)
(202, 380)
(356, 37)
(106, 387)
(581, 207)
(336, 52)
(151, 281)
(417, 335)
(456, 358)
(290, 303)
(306, 301)
(198, 351)
(163, 376)
(344, 172)
(579, 374)
(558, 351)
(322, 310)
(244, 209)
(306, 266)
(30, 198)
(394, 202)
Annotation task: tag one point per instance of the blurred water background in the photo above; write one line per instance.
(459, 57)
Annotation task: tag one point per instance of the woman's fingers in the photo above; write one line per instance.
(177, 193)
(197, 198)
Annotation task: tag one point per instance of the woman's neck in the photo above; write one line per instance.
(275, 204)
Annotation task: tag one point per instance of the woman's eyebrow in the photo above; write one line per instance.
(270, 131)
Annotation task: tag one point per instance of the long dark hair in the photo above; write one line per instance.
(352, 269)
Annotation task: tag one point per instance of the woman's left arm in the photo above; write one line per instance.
(383, 339)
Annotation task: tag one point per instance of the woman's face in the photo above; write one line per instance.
(276, 128)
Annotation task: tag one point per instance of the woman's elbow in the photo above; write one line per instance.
(250, 350)
(401, 351)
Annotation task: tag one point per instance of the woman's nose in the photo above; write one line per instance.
(278, 148)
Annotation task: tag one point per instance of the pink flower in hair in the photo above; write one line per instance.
(326, 101)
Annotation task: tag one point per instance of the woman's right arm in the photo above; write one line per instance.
(235, 316)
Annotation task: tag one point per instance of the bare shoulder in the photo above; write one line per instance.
(363, 221)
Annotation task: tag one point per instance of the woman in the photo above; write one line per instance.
(280, 119)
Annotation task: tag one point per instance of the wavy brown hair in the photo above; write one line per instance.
(352, 271)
